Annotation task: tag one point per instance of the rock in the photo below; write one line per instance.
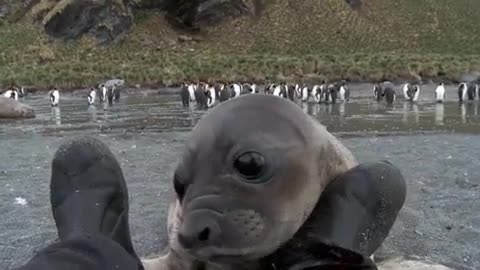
(184, 38)
(410, 264)
(10, 108)
(4, 9)
(105, 20)
(354, 4)
(17, 8)
(195, 14)
(114, 82)
(159, 4)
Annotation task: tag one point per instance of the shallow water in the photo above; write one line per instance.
(435, 145)
(361, 116)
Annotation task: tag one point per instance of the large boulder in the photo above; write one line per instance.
(10, 108)
(106, 20)
(103, 19)
(114, 82)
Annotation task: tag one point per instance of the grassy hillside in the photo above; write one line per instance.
(294, 40)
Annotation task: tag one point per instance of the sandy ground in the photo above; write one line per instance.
(441, 218)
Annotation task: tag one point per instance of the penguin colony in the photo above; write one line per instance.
(385, 91)
(101, 93)
(206, 96)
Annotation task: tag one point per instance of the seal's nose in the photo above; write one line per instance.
(199, 229)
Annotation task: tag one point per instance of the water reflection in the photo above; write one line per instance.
(341, 109)
(304, 107)
(410, 110)
(92, 112)
(439, 114)
(56, 117)
(165, 113)
(463, 112)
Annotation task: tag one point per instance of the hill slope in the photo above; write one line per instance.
(287, 39)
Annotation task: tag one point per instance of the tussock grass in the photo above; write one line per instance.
(310, 41)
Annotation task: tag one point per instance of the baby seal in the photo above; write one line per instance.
(244, 190)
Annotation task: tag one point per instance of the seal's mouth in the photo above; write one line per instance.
(218, 254)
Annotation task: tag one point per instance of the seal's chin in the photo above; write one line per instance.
(225, 255)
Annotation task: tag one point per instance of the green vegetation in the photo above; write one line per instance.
(293, 40)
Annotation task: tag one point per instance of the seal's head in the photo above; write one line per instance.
(251, 174)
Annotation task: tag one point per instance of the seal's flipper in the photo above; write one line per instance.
(358, 208)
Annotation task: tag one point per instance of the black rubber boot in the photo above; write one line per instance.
(358, 209)
(349, 223)
(88, 193)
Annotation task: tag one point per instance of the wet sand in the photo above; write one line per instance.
(435, 146)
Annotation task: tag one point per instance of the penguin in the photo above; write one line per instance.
(22, 92)
(440, 93)
(304, 91)
(317, 93)
(406, 87)
(54, 97)
(390, 95)
(237, 90)
(116, 93)
(254, 88)
(477, 91)
(91, 96)
(471, 91)
(211, 97)
(462, 92)
(249, 88)
(110, 95)
(225, 93)
(103, 93)
(290, 89)
(413, 92)
(378, 92)
(201, 98)
(344, 92)
(298, 91)
(191, 91)
(269, 88)
(185, 95)
(11, 93)
(277, 91)
(333, 94)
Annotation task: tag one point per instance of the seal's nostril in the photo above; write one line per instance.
(204, 234)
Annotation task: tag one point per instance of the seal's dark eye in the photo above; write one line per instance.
(250, 165)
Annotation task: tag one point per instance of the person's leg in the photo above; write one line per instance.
(90, 206)
(349, 223)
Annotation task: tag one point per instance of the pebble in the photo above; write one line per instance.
(419, 232)
(20, 201)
